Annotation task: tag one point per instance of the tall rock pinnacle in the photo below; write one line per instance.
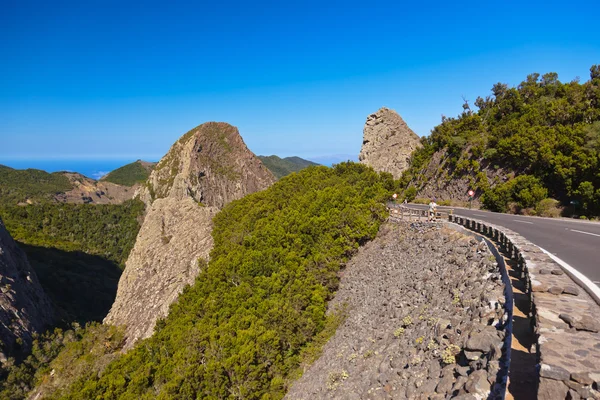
(388, 142)
(204, 170)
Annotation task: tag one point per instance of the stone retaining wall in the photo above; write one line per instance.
(567, 318)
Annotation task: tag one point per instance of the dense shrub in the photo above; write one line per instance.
(410, 194)
(525, 191)
(70, 352)
(548, 208)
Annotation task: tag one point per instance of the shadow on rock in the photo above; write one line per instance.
(82, 286)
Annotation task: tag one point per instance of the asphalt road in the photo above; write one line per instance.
(575, 242)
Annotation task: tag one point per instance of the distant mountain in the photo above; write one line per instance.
(30, 185)
(34, 186)
(281, 167)
(130, 174)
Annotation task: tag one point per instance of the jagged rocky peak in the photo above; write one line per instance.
(210, 164)
(24, 307)
(388, 142)
(204, 170)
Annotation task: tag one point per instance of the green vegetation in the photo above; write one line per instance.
(77, 251)
(108, 231)
(281, 167)
(130, 174)
(69, 353)
(545, 132)
(258, 309)
(18, 186)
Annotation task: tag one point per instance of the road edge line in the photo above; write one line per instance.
(577, 276)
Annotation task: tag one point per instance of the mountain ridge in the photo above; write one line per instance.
(281, 167)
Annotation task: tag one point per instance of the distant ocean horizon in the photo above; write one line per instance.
(91, 168)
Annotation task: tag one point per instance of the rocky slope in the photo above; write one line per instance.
(388, 142)
(205, 169)
(86, 191)
(24, 307)
(423, 306)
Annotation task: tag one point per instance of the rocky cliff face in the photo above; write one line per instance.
(211, 164)
(205, 169)
(388, 142)
(24, 307)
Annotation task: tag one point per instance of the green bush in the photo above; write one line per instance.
(410, 194)
(525, 191)
(548, 208)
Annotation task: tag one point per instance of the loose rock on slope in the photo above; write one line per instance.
(423, 306)
(24, 307)
(205, 169)
(388, 142)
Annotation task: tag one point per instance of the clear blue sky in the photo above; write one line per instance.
(124, 79)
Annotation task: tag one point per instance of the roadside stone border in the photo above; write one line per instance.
(567, 318)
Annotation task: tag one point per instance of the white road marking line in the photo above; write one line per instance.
(479, 215)
(524, 222)
(587, 233)
(578, 277)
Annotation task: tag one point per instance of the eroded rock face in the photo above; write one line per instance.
(211, 164)
(175, 234)
(388, 142)
(24, 307)
(203, 171)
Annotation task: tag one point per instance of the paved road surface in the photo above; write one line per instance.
(575, 242)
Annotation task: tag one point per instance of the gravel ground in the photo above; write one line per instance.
(424, 320)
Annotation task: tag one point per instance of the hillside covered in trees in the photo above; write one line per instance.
(256, 311)
(281, 167)
(130, 174)
(18, 186)
(519, 147)
(77, 251)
